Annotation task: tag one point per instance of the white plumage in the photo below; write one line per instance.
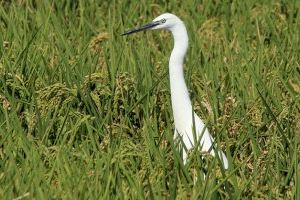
(184, 117)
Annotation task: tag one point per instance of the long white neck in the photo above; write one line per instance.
(181, 103)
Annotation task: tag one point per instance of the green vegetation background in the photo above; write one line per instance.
(85, 113)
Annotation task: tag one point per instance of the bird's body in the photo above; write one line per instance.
(189, 128)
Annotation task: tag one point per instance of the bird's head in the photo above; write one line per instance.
(165, 21)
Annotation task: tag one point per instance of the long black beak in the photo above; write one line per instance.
(143, 28)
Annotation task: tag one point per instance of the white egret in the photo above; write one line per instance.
(188, 126)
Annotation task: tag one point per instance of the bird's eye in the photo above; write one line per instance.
(163, 21)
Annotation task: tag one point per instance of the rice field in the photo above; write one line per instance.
(86, 113)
